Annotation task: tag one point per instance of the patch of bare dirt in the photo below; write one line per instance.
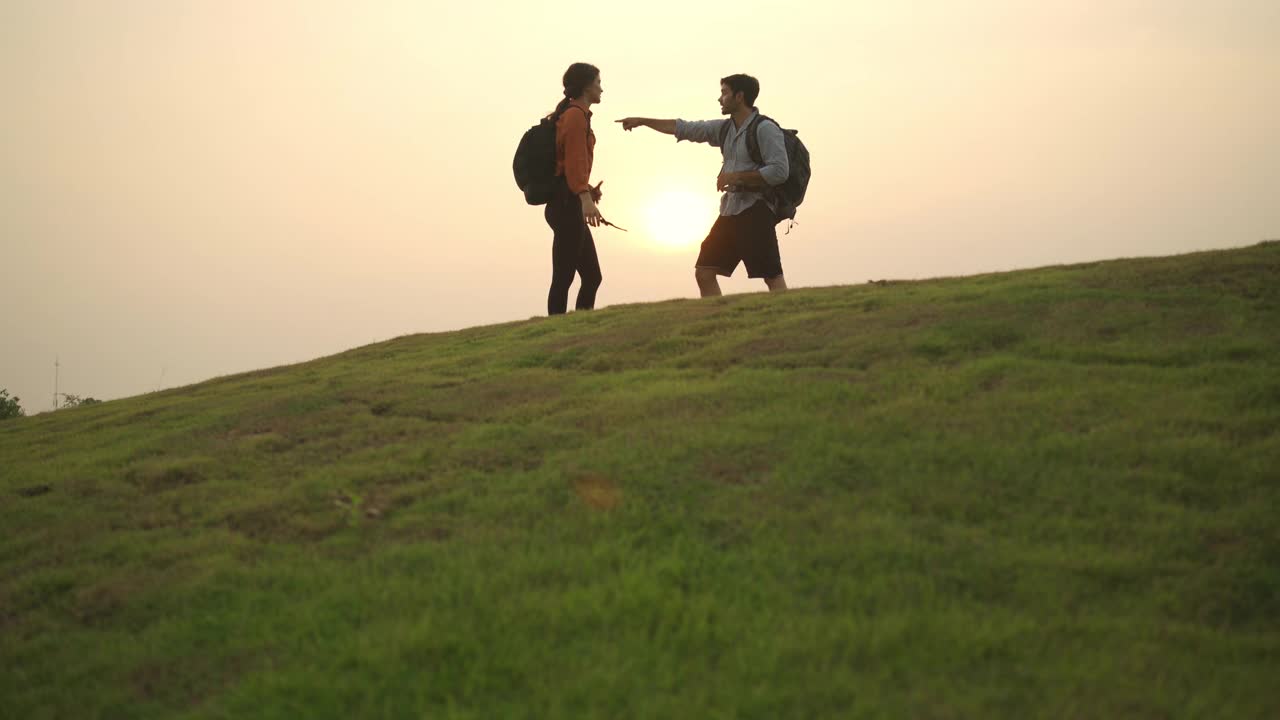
(598, 492)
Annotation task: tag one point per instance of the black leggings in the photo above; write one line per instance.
(572, 251)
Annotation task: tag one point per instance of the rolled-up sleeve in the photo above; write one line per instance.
(773, 150)
(577, 152)
(705, 131)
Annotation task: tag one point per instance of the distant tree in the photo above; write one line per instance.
(9, 406)
(69, 401)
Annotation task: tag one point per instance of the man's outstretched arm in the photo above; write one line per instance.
(703, 131)
(662, 126)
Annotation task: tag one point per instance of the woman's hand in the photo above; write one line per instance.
(590, 213)
(596, 192)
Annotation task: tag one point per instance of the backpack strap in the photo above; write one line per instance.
(555, 116)
(753, 139)
(753, 142)
(584, 114)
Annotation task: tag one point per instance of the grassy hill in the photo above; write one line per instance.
(1050, 493)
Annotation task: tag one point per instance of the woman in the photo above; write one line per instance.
(572, 212)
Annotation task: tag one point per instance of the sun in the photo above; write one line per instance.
(680, 218)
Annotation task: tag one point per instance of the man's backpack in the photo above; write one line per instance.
(787, 196)
(535, 162)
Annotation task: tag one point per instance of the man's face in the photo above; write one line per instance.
(730, 102)
(594, 91)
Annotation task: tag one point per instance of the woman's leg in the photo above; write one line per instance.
(589, 272)
(564, 215)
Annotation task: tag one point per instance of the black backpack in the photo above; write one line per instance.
(535, 163)
(787, 196)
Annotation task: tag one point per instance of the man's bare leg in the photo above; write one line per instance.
(776, 284)
(707, 283)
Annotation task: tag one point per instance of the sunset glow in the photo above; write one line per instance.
(679, 219)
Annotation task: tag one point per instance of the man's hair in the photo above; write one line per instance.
(745, 84)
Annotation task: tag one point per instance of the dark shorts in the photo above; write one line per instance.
(748, 237)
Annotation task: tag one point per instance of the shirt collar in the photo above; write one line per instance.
(745, 123)
(585, 108)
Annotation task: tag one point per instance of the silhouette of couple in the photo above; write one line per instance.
(744, 232)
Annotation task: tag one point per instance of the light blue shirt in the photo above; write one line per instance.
(737, 158)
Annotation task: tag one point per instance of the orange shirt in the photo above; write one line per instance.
(575, 146)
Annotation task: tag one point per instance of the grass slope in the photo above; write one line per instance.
(1049, 493)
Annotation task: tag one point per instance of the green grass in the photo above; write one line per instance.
(1050, 493)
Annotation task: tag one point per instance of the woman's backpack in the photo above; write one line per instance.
(535, 162)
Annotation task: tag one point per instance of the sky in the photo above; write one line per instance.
(195, 188)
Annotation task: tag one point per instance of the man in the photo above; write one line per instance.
(744, 232)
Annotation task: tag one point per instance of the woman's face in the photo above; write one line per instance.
(594, 91)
